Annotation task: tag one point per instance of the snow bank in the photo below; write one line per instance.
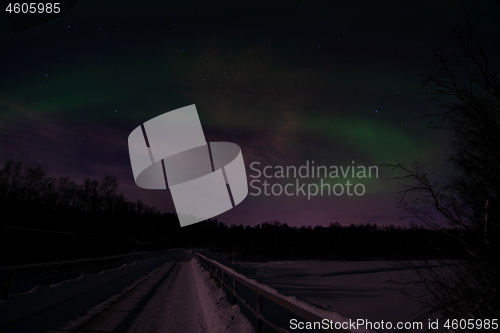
(218, 314)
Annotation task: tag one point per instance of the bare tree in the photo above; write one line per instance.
(464, 209)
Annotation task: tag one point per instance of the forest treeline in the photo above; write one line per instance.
(28, 187)
(277, 241)
(47, 218)
(53, 218)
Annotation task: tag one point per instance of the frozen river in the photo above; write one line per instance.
(356, 290)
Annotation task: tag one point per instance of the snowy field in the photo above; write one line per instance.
(355, 290)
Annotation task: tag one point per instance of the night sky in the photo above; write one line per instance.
(287, 81)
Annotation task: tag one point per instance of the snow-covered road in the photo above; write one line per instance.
(176, 296)
(174, 307)
(189, 301)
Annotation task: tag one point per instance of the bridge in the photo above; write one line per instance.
(167, 291)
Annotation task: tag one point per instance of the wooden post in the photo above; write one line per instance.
(7, 285)
(235, 292)
(222, 280)
(258, 321)
(49, 276)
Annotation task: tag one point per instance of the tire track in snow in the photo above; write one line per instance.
(118, 312)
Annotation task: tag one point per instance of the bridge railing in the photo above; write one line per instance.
(18, 279)
(221, 273)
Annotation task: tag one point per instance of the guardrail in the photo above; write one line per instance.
(220, 272)
(16, 279)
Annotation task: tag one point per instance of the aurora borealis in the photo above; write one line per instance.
(287, 82)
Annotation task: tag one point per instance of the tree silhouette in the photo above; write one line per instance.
(467, 201)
